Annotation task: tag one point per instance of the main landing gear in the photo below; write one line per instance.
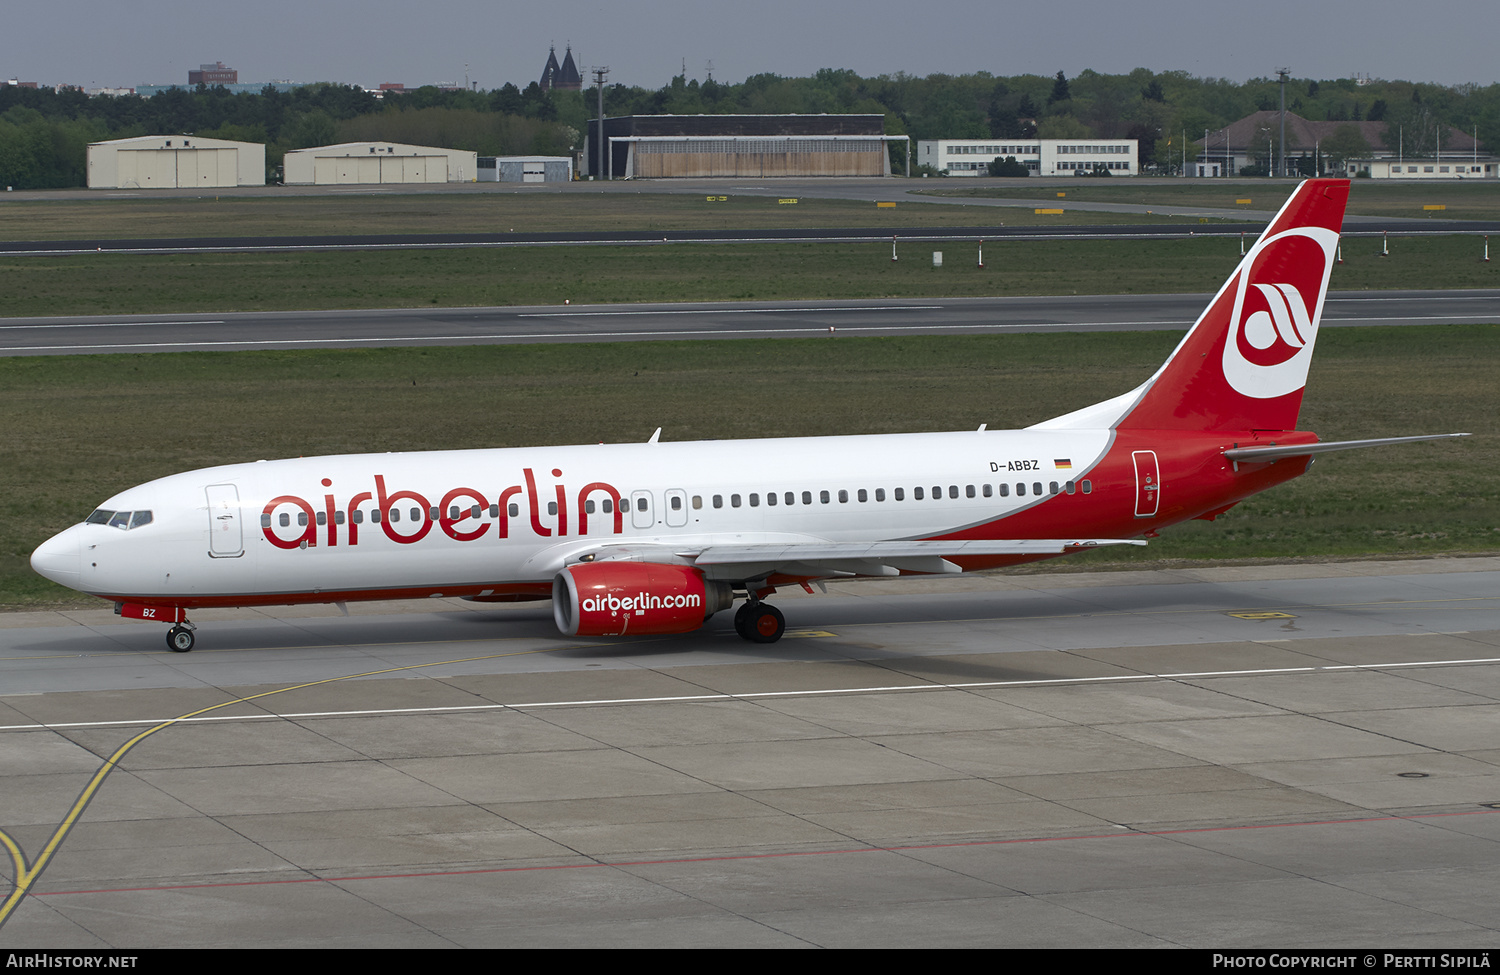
(180, 638)
(759, 622)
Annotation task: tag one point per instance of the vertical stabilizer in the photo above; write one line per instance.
(1244, 364)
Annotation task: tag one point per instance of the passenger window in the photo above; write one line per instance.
(823, 496)
(697, 502)
(755, 501)
(771, 498)
(514, 510)
(375, 516)
(968, 490)
(285, 519)
(1020, 489)
(901, 494)
(453, 512)
(338, 517)
(265, 521)
(863, 497)
(1052, 487)
(1069, 487)
(551, 507)
(917, 494)
(322, 518)
(937, 492)
(880, 494)
(988, 491)
(1036, 488)
(395, 515)
(358, 517)
(676, 502)
(416, 514)
(302, 519)
(1005, 490)
(843, 496)
(588, 507)
(494, 511)
(953, 491)
(608, 504)
(734, 501)
(790, 498)
(1088, 486)
(718, 501)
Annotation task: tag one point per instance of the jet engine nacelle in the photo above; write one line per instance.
(618, 597)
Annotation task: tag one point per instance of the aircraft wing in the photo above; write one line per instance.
(835, 559)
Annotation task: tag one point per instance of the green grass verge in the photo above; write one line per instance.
(1463, 200)
(489, 212)
(103, 284)
(80, 428)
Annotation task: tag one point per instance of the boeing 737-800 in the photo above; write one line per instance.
(657, 537)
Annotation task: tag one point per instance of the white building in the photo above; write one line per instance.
(378, 162)
(1042, 157)
(175, 162)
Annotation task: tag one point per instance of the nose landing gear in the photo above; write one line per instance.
(180, 638)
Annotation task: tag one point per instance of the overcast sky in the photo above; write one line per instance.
(95, 43)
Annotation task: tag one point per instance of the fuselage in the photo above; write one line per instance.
(497, 524)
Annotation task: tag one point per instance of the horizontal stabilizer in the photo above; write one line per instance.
(1275, 452)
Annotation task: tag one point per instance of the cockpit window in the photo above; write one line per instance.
(123, 520)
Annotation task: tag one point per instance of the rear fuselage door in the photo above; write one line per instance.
(225, 540)
(1147, 484)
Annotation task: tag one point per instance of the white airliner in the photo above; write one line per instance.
(657, 537)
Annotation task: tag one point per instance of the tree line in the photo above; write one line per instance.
(44, 134)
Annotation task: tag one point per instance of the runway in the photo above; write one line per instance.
(646, 322)
(1223, 757)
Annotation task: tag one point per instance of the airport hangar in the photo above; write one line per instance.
(755, 146)
(172, 162)
(378, 162)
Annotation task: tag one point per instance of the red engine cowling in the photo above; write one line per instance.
(615, 598)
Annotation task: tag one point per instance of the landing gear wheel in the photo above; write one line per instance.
(764, 623)
(742, 621)
(180, 639)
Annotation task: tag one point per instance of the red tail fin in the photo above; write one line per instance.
(1244, 364)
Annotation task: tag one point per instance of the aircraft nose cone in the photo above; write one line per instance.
(58, 558)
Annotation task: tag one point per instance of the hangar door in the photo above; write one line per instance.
(414, 169)
(168, 168)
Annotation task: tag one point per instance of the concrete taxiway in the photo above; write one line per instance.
(1284, 756)
(393, 327)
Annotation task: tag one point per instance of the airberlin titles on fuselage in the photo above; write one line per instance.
(464, 514)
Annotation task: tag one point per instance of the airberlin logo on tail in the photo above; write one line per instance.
(1278, 303)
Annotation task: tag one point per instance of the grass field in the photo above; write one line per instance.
(1464, 200)
(81, 428)
(124, 283)
(491, 212)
